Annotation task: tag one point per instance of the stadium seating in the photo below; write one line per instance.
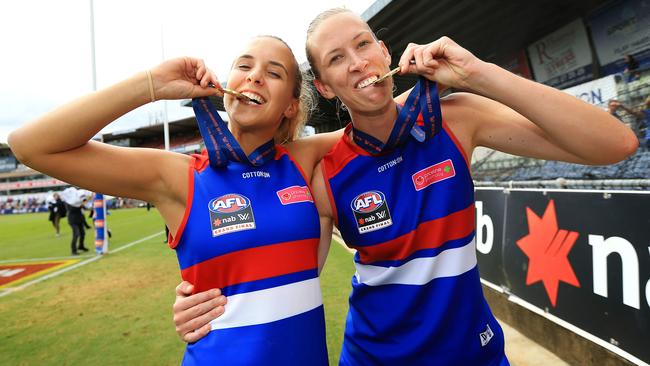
(634, 168)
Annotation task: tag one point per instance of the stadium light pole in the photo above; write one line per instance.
(92, 44)
(99, 217)
(165, 118)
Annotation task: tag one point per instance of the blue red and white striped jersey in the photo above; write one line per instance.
(416, 294)
(253, 232)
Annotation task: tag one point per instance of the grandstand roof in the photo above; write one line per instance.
(25, 172)
(491, 29)
(153, 131)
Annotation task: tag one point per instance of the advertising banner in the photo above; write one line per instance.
(489, 234)
(621, 29)
(597, 92)
(581, 256)
(518, 64)
(563, 58)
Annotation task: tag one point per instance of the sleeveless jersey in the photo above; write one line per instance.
(253, 232)
(416, 295)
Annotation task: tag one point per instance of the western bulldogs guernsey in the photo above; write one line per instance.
(416, 294)
(253, 232)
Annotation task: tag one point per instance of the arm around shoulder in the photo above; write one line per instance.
(325, 215)
(308, 151)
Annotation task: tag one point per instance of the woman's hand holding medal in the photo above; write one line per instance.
(443, 61)
(183, 78)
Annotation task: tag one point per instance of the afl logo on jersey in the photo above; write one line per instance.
(370, 211)
(368, 201)
(229, 203)
(230, 213)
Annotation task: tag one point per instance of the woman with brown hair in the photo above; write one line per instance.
(242, 216)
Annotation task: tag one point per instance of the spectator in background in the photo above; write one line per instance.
(78, 223)
(57, 211)
(614, 106)
(641, 117)
(631, 67)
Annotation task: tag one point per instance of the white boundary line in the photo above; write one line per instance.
(9, 261)
(563, 323)
(10, 290)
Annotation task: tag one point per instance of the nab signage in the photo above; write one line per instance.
(561, 250)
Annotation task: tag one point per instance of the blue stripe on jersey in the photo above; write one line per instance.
(292, 341)
(269, 282)
(430, 336)
(424, 253)
(403, 201)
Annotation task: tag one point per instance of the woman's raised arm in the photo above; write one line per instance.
(58, 143)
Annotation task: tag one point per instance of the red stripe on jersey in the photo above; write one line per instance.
(302, 172)
(335, 214)
(201, 161)
(279, 151)
(196, 162)
(428, 235)
(253, 264)
(457, 143)
(339, 156)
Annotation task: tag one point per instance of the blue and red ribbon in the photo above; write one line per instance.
(422, 99)
(221, 144)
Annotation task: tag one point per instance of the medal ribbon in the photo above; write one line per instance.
(422, 99)
(221, 144)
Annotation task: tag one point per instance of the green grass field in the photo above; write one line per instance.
(117, 310)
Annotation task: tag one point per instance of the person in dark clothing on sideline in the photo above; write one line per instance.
(631, 68)
(78, 224)
(57, 211)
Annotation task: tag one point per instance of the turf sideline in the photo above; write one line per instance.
(10, 290)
